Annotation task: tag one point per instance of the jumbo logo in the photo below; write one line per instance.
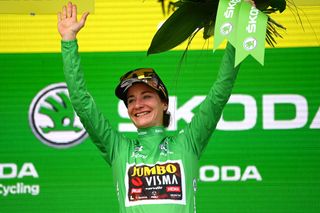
(52, 118)
(154, 170)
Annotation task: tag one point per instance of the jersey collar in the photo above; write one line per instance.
(151, 131)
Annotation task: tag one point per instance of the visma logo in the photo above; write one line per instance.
(52, 118)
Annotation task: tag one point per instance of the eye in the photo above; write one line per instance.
(130, 100)
(147, 96)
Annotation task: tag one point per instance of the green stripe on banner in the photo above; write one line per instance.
(251, 34)
(244, 26)
(226, 22)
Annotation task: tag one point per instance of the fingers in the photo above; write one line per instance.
(64, 12)
(74, 11)
(59, 16)
(83, 18)
(69, 10)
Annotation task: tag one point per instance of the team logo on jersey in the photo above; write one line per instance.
(164, 148)
(159, 183)
(52, 118)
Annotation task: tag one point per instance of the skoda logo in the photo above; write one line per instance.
(226, 29)
(250, 43)
(52, 118)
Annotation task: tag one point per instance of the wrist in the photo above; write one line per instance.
(68, 37)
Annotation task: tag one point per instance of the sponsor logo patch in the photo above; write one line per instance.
(160, 183)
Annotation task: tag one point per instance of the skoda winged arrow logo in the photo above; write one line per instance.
(52, 118)
(250, 43)
(226, 29)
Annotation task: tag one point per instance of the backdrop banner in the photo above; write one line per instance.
(35, 7)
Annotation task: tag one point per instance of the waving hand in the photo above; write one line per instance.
(68, 25)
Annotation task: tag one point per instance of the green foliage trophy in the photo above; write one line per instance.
(246, 24)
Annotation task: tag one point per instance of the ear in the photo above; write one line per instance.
(165, 105)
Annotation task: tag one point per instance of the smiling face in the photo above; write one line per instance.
(145, 106)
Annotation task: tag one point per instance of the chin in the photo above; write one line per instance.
(142, 125)
(141, 122)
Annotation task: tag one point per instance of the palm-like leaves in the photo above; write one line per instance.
(190, 16)
(180, 26)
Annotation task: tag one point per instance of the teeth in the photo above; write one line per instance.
(141, 114)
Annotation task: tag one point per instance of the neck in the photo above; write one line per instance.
(150, 131)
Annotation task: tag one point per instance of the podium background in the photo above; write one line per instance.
(115, 40)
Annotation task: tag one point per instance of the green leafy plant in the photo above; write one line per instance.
(190, 16)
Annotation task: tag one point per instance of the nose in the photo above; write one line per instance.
(138, 104)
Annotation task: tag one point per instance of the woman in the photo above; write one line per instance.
(154, 172)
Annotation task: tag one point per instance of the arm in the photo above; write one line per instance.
(104, 137)
(200, 129)
(99, 129)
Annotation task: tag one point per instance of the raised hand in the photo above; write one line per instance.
(68, 25)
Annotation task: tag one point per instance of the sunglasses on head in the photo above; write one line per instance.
(143, 73)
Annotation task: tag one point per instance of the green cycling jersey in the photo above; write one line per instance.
(154, 172)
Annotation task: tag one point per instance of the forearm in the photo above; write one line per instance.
(73, 74)
(222, 88)
(205, 120)
(91, 117)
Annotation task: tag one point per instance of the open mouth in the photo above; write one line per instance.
(141, 114)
